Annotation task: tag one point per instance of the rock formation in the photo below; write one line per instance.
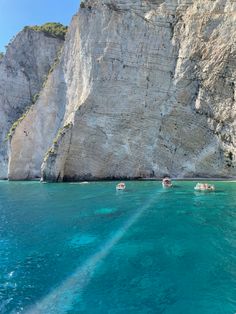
(143, 88)
(23, 70)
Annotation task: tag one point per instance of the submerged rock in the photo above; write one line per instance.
(142, 89)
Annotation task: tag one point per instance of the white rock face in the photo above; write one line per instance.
(143, 89)
(22, 72)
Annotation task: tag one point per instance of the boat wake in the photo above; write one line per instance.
(61, 299)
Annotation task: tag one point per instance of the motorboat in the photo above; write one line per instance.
(120, 186)
(204, 187)
(166, 183)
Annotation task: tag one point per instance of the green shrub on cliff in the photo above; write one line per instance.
(82, 5)
(15, 125)
(1, 55)
(56, 30)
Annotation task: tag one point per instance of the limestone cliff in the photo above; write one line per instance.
(23, 70)
(144, 88)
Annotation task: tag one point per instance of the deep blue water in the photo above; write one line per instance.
(71, 248)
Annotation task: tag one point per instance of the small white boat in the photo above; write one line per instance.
(205, 187)
(120, 186)
(166, 183)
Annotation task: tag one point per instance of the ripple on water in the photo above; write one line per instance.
(105, 211)
(81, 240)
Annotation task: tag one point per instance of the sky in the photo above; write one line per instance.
(15, 14)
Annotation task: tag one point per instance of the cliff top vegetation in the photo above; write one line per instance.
(56, 30)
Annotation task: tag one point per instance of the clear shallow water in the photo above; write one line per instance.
(71, 248)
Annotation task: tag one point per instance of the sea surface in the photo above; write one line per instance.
(87, 249)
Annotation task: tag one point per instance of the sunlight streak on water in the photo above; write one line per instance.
(62, 298)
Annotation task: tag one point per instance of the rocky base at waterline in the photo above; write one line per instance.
(141, 89)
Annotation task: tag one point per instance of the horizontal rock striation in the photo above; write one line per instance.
(143, 89)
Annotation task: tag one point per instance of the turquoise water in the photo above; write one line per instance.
(72, 248)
